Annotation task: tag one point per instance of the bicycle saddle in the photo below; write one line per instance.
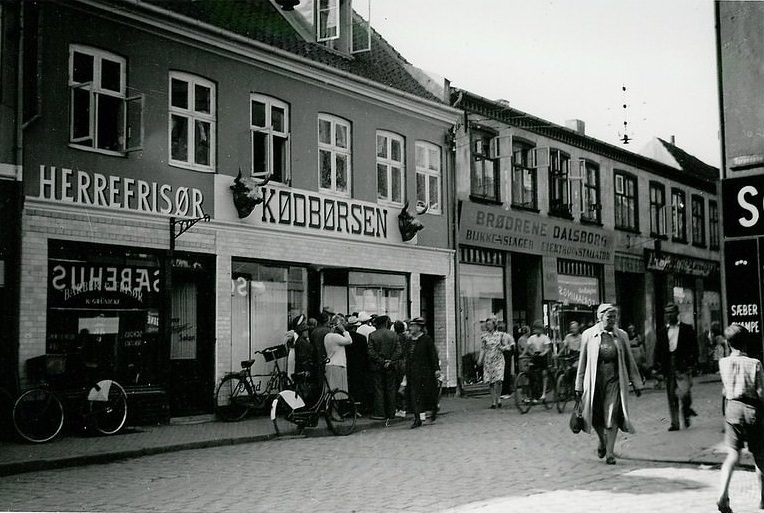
(246, 364)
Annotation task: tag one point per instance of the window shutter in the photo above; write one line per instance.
(500, 147)
(540, 157)
(134, 129)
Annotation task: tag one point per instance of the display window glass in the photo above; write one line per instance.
(482, 296)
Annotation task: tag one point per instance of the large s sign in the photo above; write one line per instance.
(743, 200)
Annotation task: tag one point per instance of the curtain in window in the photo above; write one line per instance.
(183, 340)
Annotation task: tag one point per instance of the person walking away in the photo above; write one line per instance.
(335, 342)
(492, 347)
(605, 370)
(506, 387)
(357, 355)
(676, 353)
(538, 348)
(743, 390)
(637, 345)
(422, 373)
(318, 333)
(719, 346)
(384, 355)
(305, 375)
(400, 328)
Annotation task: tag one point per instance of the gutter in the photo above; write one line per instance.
(231, 36)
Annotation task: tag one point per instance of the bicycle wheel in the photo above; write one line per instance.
(523, 392)
(340, 413)
(562, 392)
(232, 398)
(38, 415)
(285, 422)
(107, 406)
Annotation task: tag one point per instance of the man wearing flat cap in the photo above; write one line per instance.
(676, 353)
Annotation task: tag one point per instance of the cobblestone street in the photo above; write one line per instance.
(472, 459)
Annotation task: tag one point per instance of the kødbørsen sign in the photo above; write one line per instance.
(508, 230)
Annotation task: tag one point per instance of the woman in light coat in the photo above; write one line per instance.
(605, 370)
(334, 343)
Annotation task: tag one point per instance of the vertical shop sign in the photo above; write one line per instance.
(741, 273)
(551, 289)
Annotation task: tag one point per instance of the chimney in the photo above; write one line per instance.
(673, 141)
(577, 125)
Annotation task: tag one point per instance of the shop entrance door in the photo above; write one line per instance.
(191, 383)
(427, 301)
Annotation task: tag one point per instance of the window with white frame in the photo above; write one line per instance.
(523, 175)
(98, 96)
(678, 216)
(559, 184)
(484, 175)
(328, 13)
(390, 167)
(192, 121)
(428, 174)
(334, 154)
(269, 135)
(591, 208)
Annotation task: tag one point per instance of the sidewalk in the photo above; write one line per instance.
(701, 444)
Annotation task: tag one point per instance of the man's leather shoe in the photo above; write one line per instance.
(417, 423)
(692, 413)
(674, 428)
(687, 422)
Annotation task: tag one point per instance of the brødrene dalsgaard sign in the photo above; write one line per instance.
(509, 230)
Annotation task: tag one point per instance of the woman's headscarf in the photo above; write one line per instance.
(604, 309)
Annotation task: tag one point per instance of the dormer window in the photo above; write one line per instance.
(328, 15)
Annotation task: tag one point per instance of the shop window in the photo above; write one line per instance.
(484, 176)
(626, 212)
(428, 176)
(591, 208)
(269, 135)
(481, 295)
(698, 221)
(391, 170)
(559, 184)
(383, 294)
(657, 210)
(264, 298)
(678, 216)
(713, 224)
(192, 122)
(99, 107)
(103, 312)
(523, 176)
(334, 154)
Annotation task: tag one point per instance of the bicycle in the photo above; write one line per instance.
(565, 381)
(39, 413)
(338, 407)
(529, 386)
(237, 393)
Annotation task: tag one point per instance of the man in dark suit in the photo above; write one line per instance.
(676, 353)
(384, 355)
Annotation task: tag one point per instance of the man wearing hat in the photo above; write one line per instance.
(422, 372)
(358, 366)
(384, 355)
(365, 328)
(676, 353)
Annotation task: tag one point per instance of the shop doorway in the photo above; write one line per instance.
(191, 384)
(427, 302)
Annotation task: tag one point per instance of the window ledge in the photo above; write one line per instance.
(484, 199)
(112, 153)
(561, 215)
(191, 167)
(635, 231)
(699, 245)
(592, 222)
(525, 209)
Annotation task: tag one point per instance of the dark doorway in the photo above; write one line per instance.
(427, 301)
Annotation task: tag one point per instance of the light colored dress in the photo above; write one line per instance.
(606, 410)
(493, 345)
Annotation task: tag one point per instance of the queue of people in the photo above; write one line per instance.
(388, 372)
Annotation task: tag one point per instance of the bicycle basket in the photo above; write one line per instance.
(274, 352)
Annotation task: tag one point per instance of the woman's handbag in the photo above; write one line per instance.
(577, 418)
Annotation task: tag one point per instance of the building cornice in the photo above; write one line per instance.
(191, 30)
(476, 104)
